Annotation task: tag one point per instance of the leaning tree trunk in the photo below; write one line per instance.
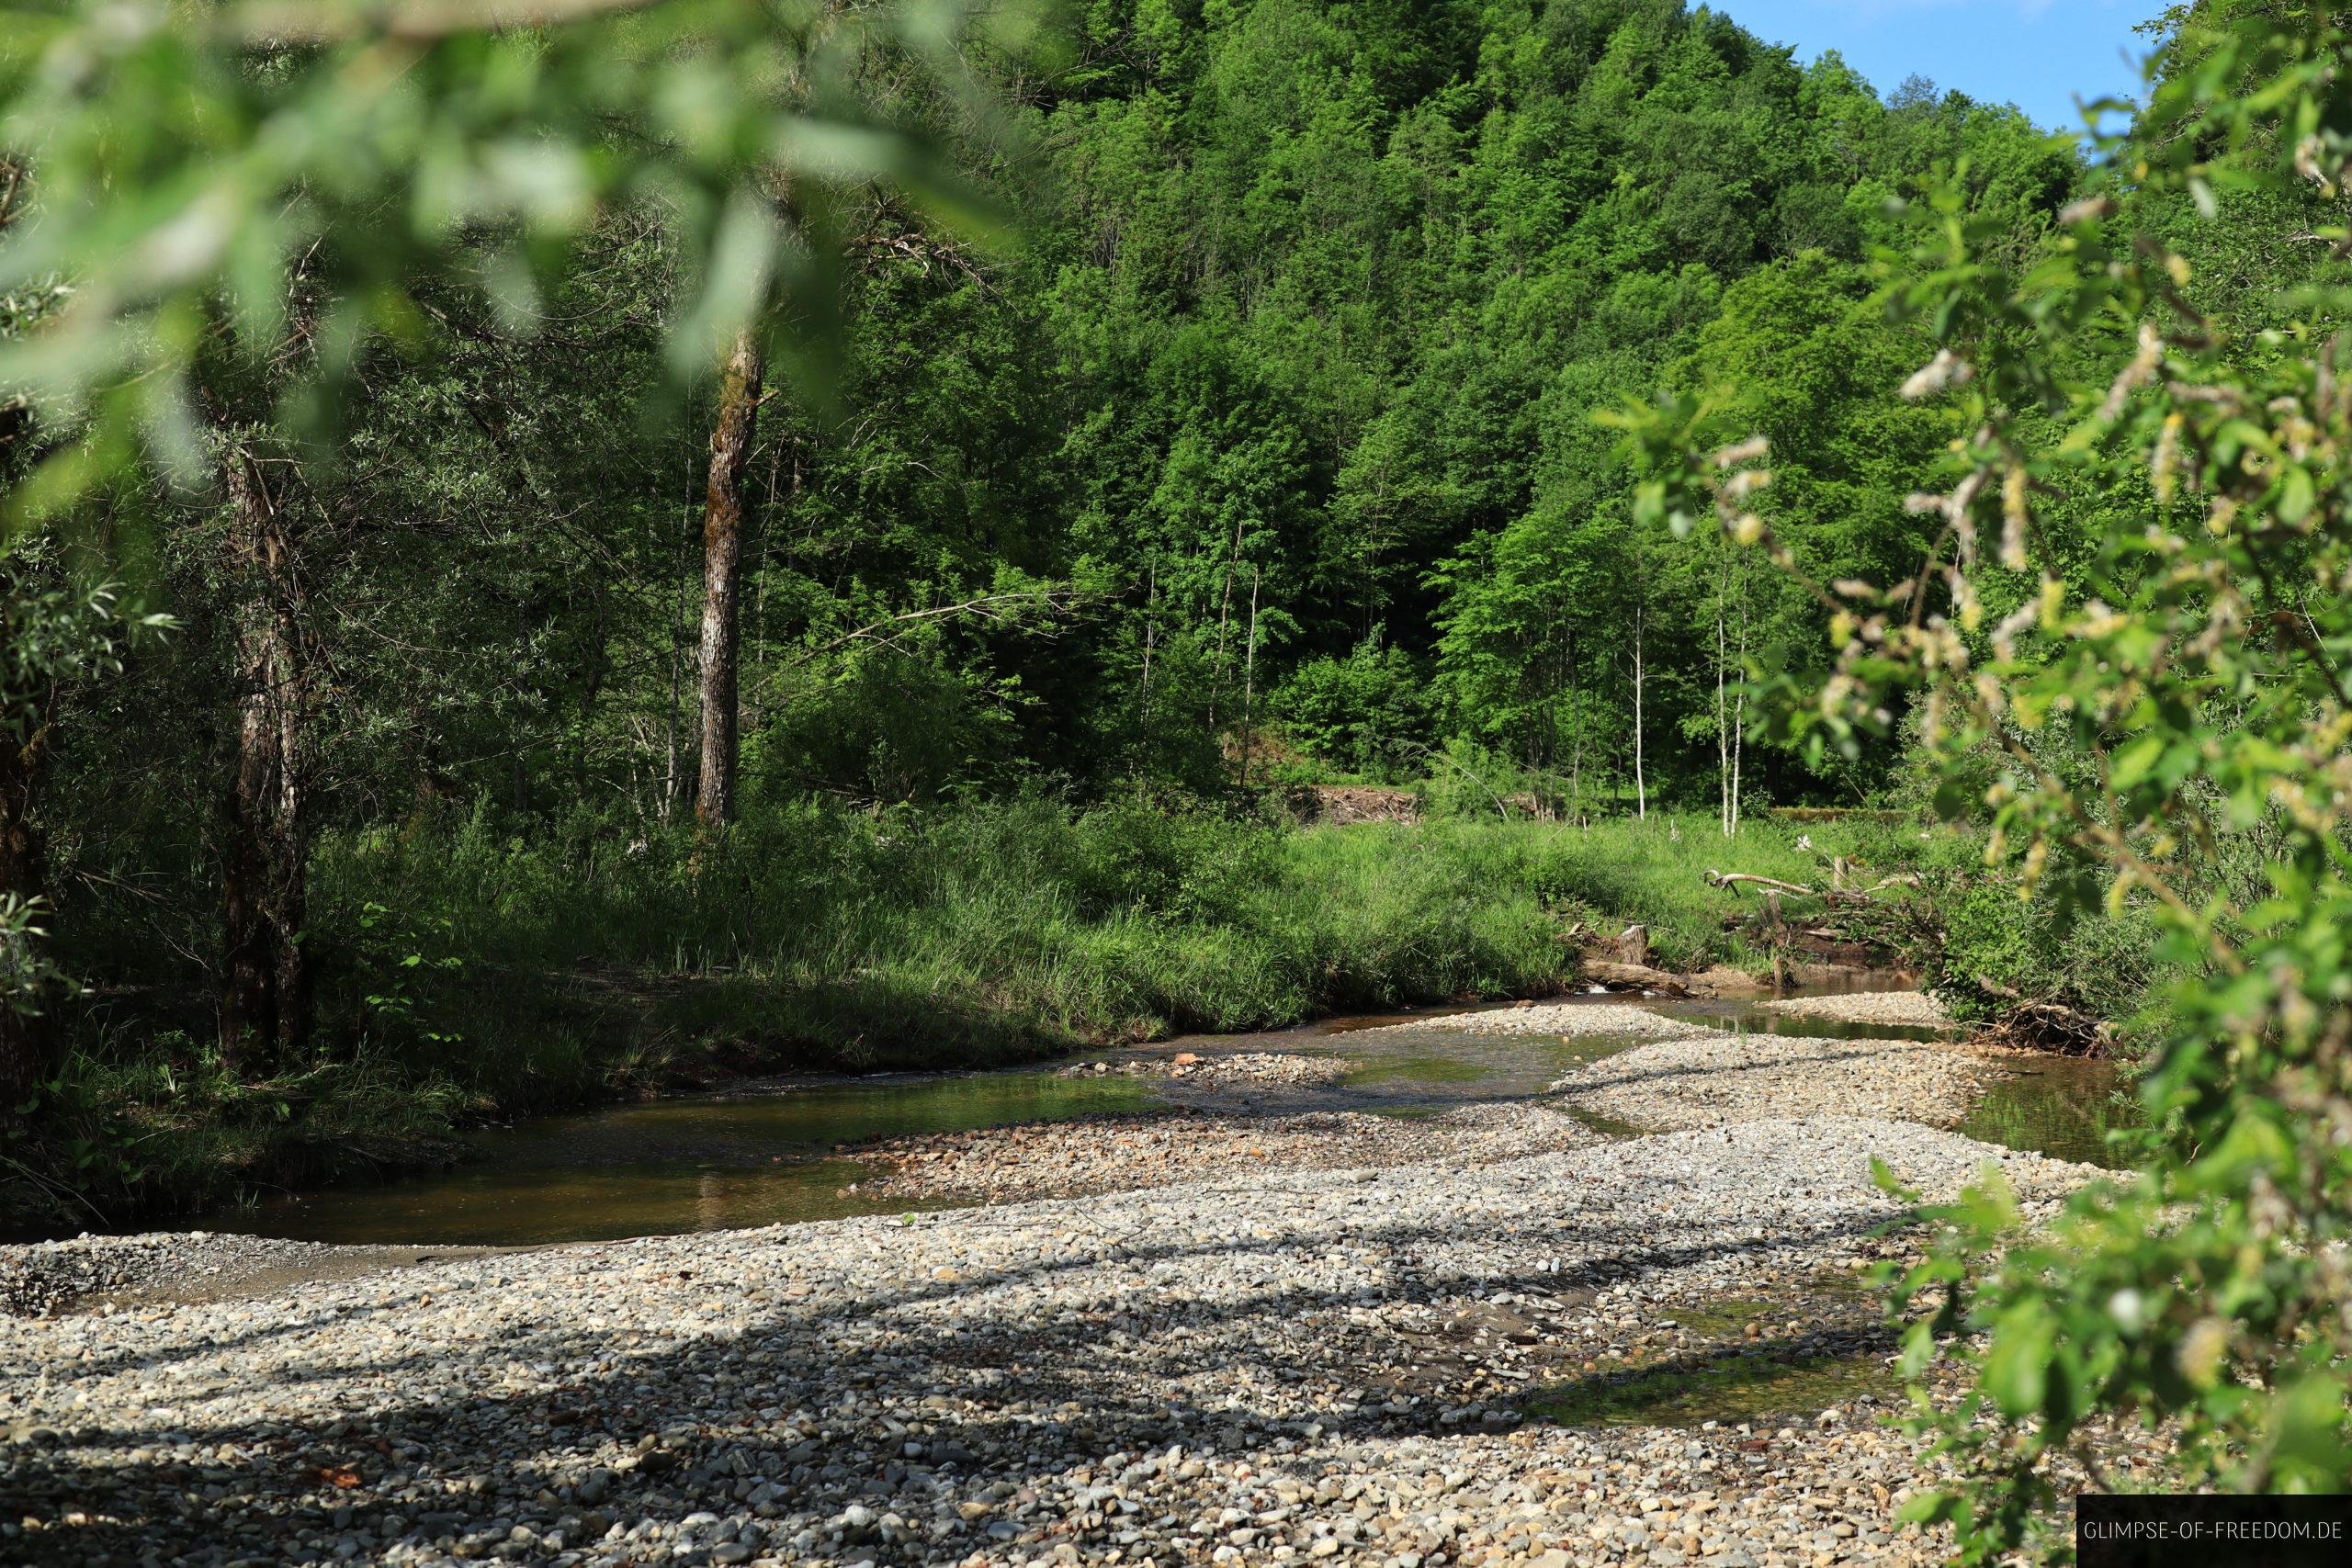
(722, 577)
(265, 991)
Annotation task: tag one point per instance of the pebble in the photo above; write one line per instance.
(1914, 1008)
(1717, 1077)
(1241, 1367)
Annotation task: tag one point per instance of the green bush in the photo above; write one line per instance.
(1365, 713)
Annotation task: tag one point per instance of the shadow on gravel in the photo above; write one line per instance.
(814, 1407)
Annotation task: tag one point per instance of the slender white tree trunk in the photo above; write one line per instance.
(1723, 704)
(1641, 789)
(1740, 711)
(1249, 678)
(1224, 624)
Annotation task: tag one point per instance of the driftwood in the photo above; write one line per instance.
(1834, 895)
(2046, 1026)
(2053, 1026)
(1732, 879)
(1850, 925)
(1638, 976)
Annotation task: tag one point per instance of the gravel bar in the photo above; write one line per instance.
(1239, 1069)
(43, 1278)
(1911, 1009)
(1262, 1368)
(1566, 1020)
(1722, 1079)
(1113, 1154)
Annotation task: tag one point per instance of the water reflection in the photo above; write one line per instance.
(789, 1155)
(2059, 1106)
(675, 1165)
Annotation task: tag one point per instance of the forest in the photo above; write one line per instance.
(594, 546)
(443, 689)
(1213, 412)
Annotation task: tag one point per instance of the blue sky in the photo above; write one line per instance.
(2037, 54)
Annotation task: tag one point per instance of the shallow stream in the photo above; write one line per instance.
(785, 1153)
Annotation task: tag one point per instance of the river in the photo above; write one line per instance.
(787, 1151)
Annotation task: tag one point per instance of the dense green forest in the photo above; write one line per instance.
(1279, 415)
(1263, 446)
(455, 705)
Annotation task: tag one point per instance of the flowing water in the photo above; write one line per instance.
(787, 1153)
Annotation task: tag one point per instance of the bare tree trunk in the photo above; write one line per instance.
(519, 782)
(1224, 621)
(1576, 738)
(1740, 711)
(1249, 678)
(723, 576)
(1723, 713)
(1640, 790)
(266, 994)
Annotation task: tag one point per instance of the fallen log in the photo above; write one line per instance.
(1723, 981)
(1639, 977)
(1732, 879)
(1849, 897)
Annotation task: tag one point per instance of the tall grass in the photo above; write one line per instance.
(466, 969)
(965, 935)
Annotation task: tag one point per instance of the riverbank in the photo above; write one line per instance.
(516, 978)
(1519, 1332)
(1264, 1367)
(1630, 1070)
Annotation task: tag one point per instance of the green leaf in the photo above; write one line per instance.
(2016, 1367)
(2295, 494)
(2310, 1451)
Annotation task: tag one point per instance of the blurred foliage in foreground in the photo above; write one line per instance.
(298, 183)
(2125, 737)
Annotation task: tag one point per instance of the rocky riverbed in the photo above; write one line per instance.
(1914, 1010)
(1714, 1078)
(1563, 1020)
(91, 1271)
(1262, 1367)
(1238, 1069)
(1102, 1155)
(1615, 1323)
